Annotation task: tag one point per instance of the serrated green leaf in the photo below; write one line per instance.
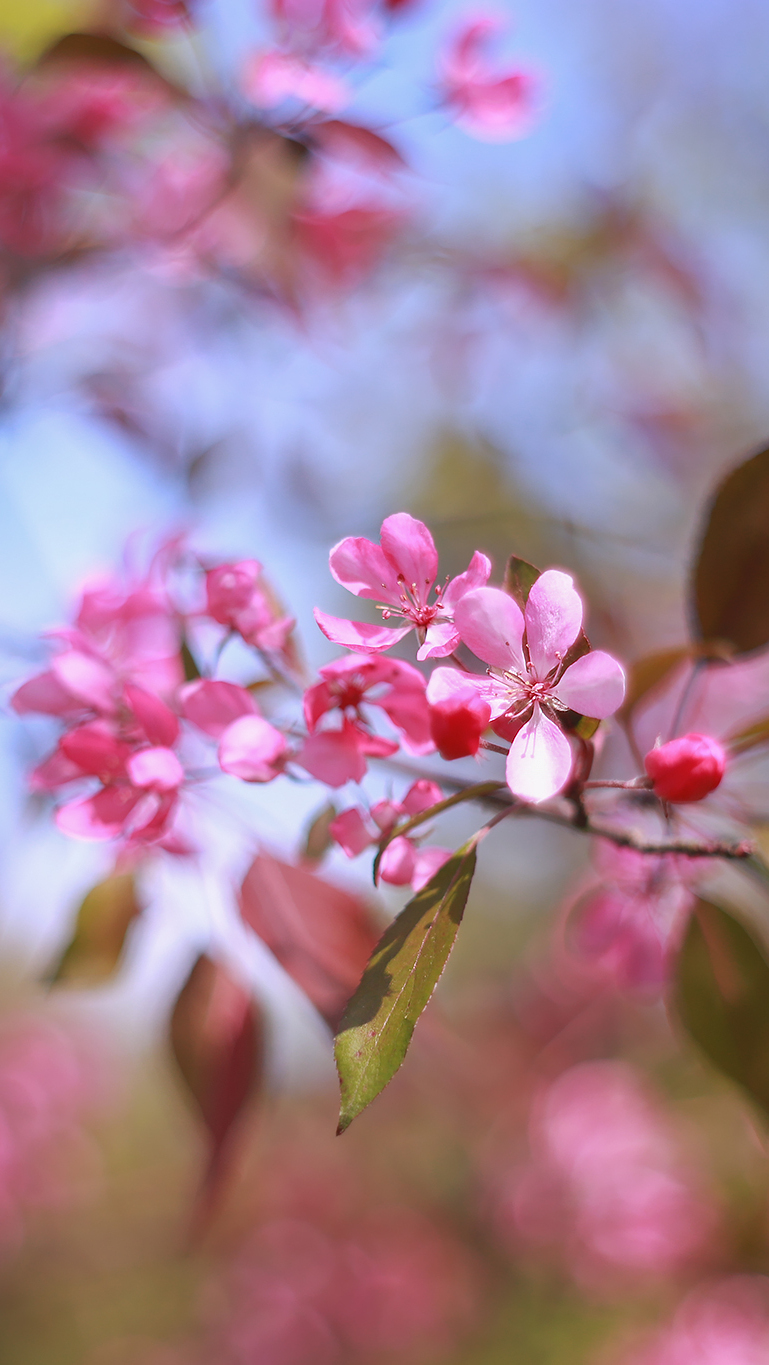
(103, 920)
(731, 573)
(520, 577)
(401, 976)
(722, 998)
(474, 793)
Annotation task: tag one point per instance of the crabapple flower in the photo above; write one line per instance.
(495, 106)
(235, 598)
(527, 680)
(720, 1323)
(252, 749)
(400, 575)
(349, 686)
(686, 769)
(271, 78)
(403, 862)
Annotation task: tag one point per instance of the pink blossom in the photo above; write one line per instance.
(349, 686)
(400, 574)
(155, 769)
(527, 679)
(118, 810)
(686, 769)
(236, 598)
(212, 705)
(629, 924)
(271, 78)
(496, 106)
(253, 749)
(610, 1182)
(403, 862)
(345, 25)
(724, 1322)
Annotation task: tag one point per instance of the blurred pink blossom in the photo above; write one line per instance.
(722, 1323)
(496, 106)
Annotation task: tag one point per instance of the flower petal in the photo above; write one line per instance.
(363, 568)
(441, 638)
(539, 762)
(476, 575)
(350, 831)
(410, 548)
(158, 769)
(426, 864)
(594, 685)
(491, 625)
(87, 679)
(553, 620)
(212, 705)
(358, 634)
(334, 756)
(102, 816)
(252, 749)
(449, 684)
(398, 862)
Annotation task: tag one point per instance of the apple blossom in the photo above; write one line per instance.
(400, 574)
(527, 677)
(495, 106)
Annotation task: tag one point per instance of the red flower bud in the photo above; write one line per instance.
(686, 769)
(457, 723)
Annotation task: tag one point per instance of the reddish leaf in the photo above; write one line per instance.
(320, 934)
(731, 577)
(217, 1040)
(338, 137)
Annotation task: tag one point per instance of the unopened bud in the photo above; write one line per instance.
(686, 769)
(457, 723)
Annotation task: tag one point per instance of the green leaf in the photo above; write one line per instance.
(520, 577)
(401, 976)
(722, 998)
(731, 574)
(475, 793)
(318, 840)
(103, 921)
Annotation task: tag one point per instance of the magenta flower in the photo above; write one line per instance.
(400, 575)
(404, 862)
(527, 680)
(349, 686)
(495, 106)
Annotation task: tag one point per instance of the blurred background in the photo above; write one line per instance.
(227, 316)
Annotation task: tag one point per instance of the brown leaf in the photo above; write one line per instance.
(102, 923)
(731, 575)
(217, 1039)
(322, 936)
(318, 838)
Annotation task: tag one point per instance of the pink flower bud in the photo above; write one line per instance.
(686, 769)
(457, 723)
(157, 769)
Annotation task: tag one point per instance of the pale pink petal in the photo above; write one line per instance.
(398, 862)
(426, 864)
(351, 832)
(252, 749)
(441, 638)
(158, 769)
(376, 745)
(539, 762)
(272, 77)
(476, 575)
(229, 589)
(157, 720)
(87, 679)
(333, 756)
(498, 110)
(491, 625)
(102, 816)
(212, 706)
(594, 685)
(386, 814)
(450, 684)
(358, 634)
(411, 550)
(44, 695)
(421, 795)
(363, 568)
(553, 620)
(408, 710)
